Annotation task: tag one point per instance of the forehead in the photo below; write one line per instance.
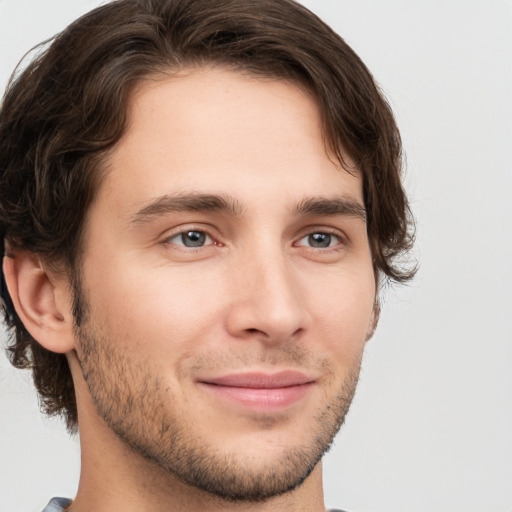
(215, 130)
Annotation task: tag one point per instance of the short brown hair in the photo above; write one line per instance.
(63, 113)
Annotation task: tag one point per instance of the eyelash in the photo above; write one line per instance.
(329, 236)
(169, 240)
(341, 240)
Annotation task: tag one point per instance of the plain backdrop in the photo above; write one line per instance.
(431, 425)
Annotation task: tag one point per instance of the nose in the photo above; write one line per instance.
(267, 300)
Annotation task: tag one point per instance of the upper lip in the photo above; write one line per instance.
(261, 380)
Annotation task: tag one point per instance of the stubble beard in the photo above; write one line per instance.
(137, 407)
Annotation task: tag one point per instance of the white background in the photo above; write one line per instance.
(431, 426)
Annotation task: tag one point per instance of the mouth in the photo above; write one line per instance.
(260, 391)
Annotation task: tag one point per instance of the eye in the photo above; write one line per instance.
(320, 240)
(192, 238)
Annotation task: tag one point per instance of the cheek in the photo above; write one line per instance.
(344, 312)
(158, 309)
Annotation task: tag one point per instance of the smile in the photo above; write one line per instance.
(260, 391)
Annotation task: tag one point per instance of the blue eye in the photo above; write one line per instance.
(320, 240)
(191, 239)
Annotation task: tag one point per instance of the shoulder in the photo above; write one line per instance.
(57, 505)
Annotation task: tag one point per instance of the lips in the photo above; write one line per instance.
(262, 380)
(260, 391)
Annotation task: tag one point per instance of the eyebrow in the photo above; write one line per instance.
(190, 202)
(224, 203)
(337, 205)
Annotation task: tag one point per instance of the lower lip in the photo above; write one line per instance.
(261, 399)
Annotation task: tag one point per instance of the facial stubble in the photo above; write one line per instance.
(140, 409)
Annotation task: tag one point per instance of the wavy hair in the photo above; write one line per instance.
(61, 115)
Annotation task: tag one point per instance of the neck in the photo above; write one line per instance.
(121, 480)
(115, 477)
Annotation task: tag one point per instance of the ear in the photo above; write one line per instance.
(41, 299)
(374, 320)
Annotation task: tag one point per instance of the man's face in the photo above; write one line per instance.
(228, 284)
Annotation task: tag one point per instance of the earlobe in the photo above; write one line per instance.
(374, 320)
(39, 302)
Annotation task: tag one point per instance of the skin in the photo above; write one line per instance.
(274, 285)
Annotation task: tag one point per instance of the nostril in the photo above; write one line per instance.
(256, 331)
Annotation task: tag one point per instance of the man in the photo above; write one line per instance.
(198, 201)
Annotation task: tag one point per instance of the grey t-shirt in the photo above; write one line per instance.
(58, 504)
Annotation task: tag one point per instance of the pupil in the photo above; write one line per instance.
(193, 238)
(320, 240)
